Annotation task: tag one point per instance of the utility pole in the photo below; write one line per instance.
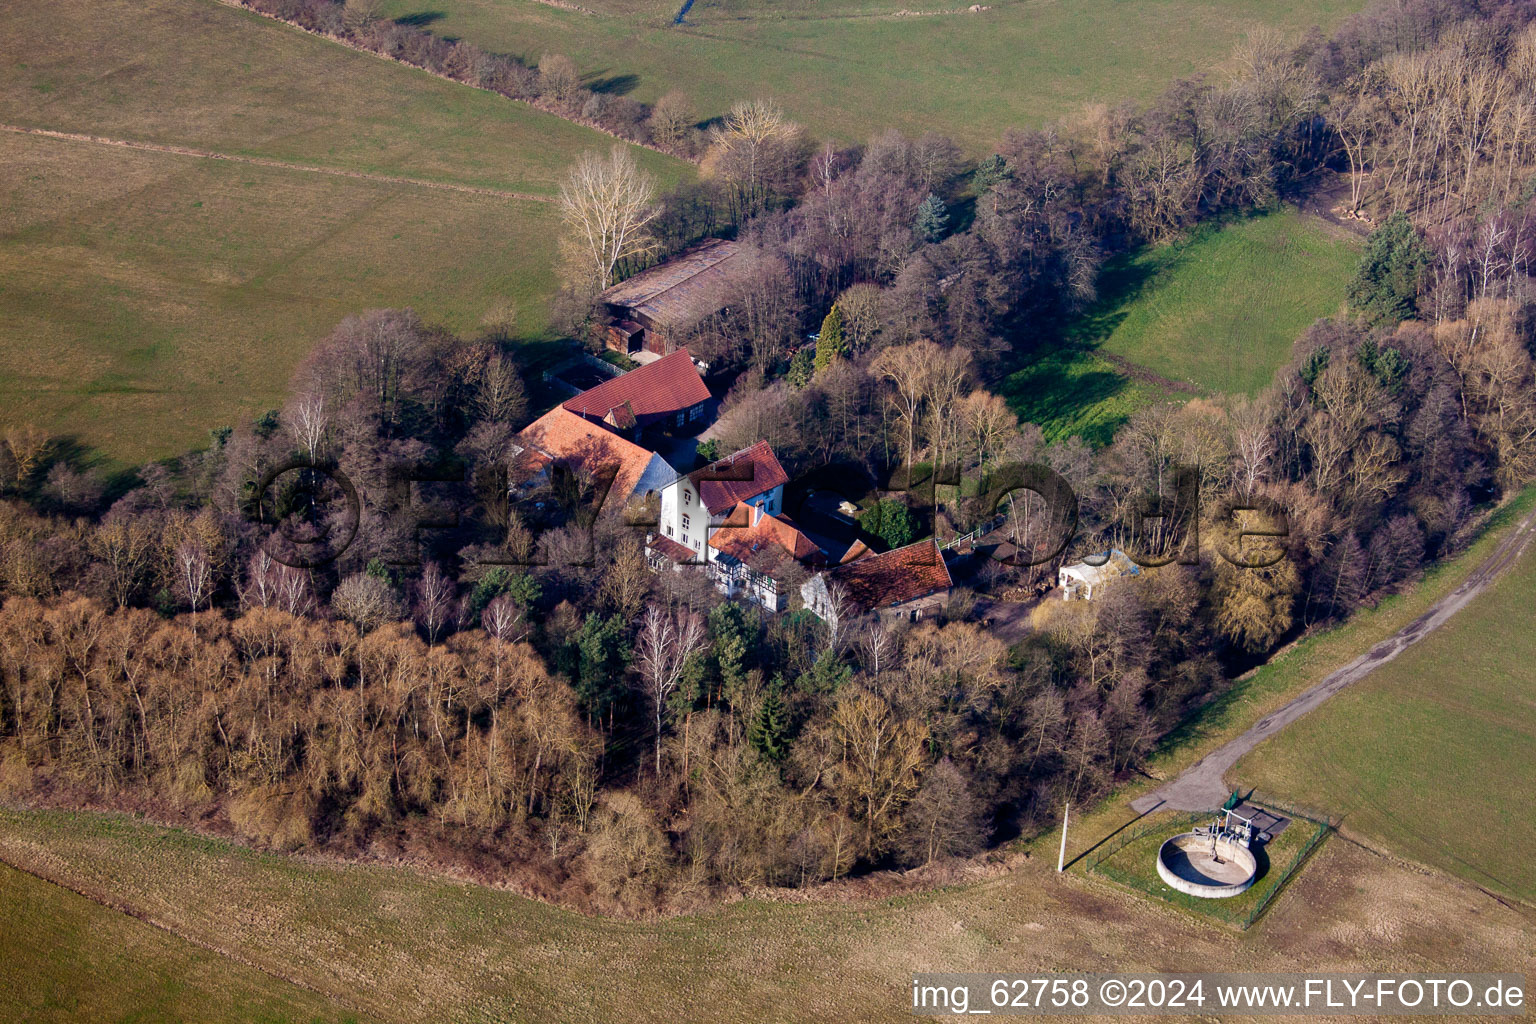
(1061, 858)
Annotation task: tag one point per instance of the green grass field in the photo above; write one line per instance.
(406, 946)
(1067, 391)
(68, 958)
(848, 69)
(1221, 310)
(1434, 754)
(147, 297)
(1217, 312)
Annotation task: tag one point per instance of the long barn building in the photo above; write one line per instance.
(652, 311)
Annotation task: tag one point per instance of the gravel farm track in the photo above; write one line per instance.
(1202, 786)
(257, 161)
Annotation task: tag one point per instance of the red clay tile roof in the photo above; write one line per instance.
(736, 478)
(905, 574)
(672, 549)
(588, 447)
(744, 542)
(858, 549)
(621, 416)
(664, 388)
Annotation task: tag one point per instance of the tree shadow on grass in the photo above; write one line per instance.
(421, 19)
(68, 450)
(1121, 282)
(1057, 381)
(614, 85)
(1052, 393)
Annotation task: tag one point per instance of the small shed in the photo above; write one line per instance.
(1082, 580)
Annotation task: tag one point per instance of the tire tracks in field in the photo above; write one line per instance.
(261, 161)
(120, 906)
(1202, 786)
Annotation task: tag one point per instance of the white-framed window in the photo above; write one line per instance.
(685, 538)
(669, 531)
(685, 520)
(687, 497)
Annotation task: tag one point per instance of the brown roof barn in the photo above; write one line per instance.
(651, 310)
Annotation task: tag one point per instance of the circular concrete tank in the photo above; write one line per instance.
(1185, 862)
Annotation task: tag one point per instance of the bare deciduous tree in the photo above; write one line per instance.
(365, 601)
(672, 118)
(308, 420)
(754, 149)
(434, 601)
(503, 619)
(666, 641)
(607, 205)
(27, 445)
(558, 77)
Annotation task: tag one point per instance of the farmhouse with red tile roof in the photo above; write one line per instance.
(695, 505)
(729, 516)
(907, 583)
(561, 436)
(668, 392)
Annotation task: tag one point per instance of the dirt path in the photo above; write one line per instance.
(258, 161)
(1202, 786)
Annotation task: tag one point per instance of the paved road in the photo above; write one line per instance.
(1202, 786)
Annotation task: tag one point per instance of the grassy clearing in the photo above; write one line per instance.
(850, 68)
(1434, 754)
(1217, 312)
(408, 947)
(1221, 310)
(1069, 391)
(67, 958)
(148, 297)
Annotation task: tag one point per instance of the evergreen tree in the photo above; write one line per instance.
(595, 659)
(932, 219)
(523, 588)
(1313, 368)
(1387, 365)
(828, 674)
(769, 731)
(991, 172)
(801, 368)
(889, 520)
(830, 344)
(1385, 288)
